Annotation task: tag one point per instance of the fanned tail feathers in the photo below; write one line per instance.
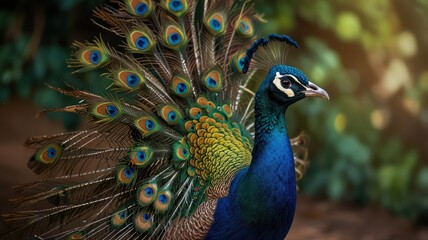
(146, 160)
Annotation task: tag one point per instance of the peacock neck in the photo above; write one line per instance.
(268, 189)
(262, 197)
(269, 119)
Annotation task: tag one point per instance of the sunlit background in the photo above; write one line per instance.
(369, 144)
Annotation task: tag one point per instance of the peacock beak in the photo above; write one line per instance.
(313, 90)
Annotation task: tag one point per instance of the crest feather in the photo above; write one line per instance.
(271, 52)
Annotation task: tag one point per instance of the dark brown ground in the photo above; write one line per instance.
(314, 219)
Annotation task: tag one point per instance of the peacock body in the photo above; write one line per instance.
(179, 146)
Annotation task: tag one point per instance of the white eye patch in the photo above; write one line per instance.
(277, 81)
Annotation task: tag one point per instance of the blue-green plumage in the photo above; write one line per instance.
(180, 147)
(262, 197)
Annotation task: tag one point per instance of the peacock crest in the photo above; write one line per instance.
(167, 138)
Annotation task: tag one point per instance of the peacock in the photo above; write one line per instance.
(180, 145)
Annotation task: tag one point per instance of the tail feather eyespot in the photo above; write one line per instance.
(213, 80)
(237, 62)
(170, 114)
(181, 86)
(191, 171)
(126, 174)
(147, 125)
(181, 152)
(140, 41)
(195, 112)
(189, 126)
(175, 38)
(92, 56)
(146, 194)
(163, 200)
(141, 156)
(177, 7)
(216, 23)
(49, 153)
(119, 219)
(106, 111)
(140, 8)
(143, 221)
(129, 80)
(245, 27)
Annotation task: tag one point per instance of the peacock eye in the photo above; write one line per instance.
(285, 82)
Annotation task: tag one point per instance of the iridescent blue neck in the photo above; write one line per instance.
(269, 118)
(262, 197)
(268, 189)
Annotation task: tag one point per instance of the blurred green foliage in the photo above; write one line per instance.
(36, 40)
(367, 143)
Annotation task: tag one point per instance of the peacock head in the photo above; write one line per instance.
(283, 84)
(287, 85)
